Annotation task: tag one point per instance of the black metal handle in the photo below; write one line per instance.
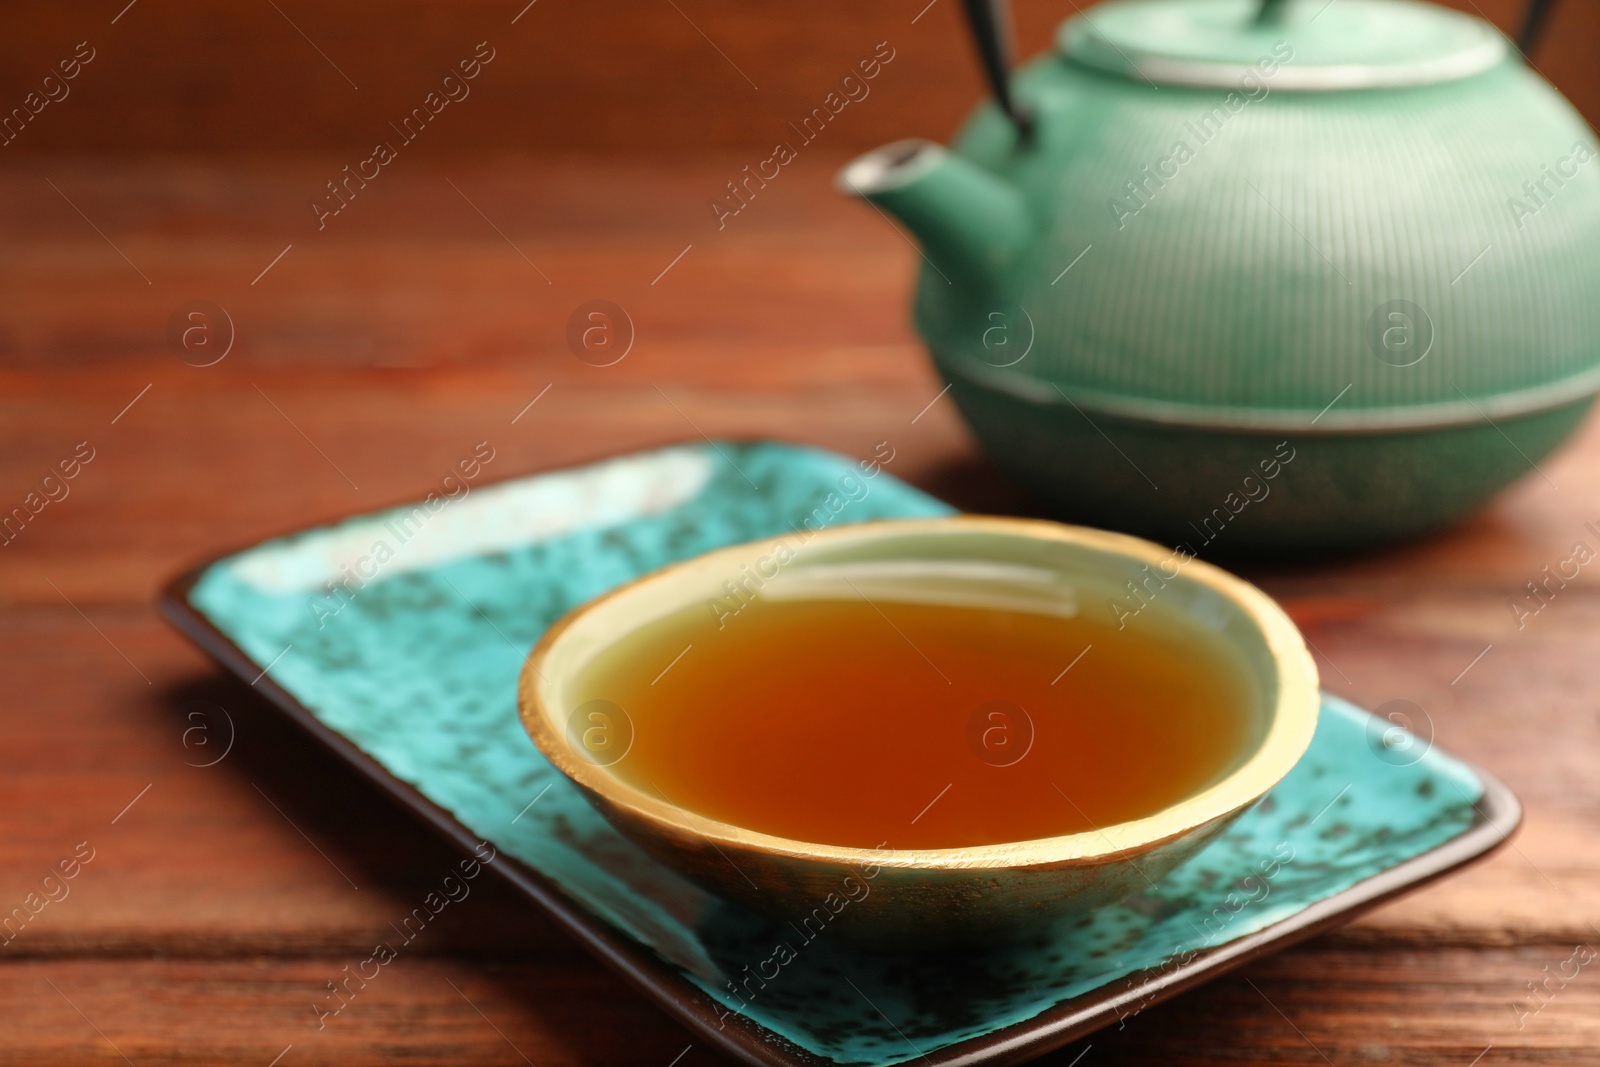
(1532, 22)
(991, 30)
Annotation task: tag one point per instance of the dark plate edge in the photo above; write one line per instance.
(1499, 815)
(740, 1036)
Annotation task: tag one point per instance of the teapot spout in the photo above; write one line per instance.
(971, 223)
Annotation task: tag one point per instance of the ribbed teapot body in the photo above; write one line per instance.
(1399, 285)
(1245, 257)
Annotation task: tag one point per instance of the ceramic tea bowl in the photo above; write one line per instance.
(940, 895)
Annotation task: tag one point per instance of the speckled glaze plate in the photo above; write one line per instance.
(410, 675)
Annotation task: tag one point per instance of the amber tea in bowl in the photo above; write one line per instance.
(868, 719)
(952, 726)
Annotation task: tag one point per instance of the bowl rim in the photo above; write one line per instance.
(1294, 711)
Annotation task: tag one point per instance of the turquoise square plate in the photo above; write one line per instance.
(395, 638)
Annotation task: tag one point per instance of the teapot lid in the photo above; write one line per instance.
(1311, 44)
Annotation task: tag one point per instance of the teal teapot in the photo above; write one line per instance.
(1243, 276)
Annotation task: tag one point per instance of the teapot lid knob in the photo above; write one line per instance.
(1310, 45)
(1270, 13)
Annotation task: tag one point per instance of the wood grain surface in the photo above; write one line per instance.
(622, 76)
(371, 355)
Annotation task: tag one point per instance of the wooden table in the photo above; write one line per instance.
(221, 899)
